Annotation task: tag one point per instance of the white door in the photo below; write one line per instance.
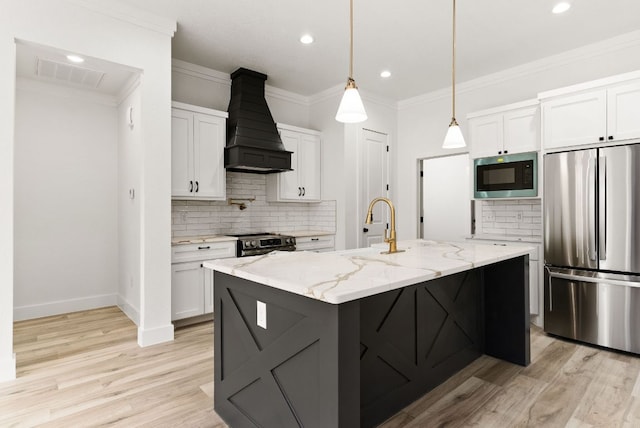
(309, 164)
(181, 153)
(446, 196)
(187, 290)
(622, 111)
(290, 187)
(374, 180)
(208, 143)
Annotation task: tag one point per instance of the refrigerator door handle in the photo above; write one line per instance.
(602, 209)
(591, 209)
(580, 278)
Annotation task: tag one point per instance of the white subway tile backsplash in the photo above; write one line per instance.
(190, 218)
(511, 217)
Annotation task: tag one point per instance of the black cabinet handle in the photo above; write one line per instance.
(506, 151)
(304, 191)
(299, 191)
(197, 186)
(201, 265)
(601, 139)
(190, 186)
(365, 230)
(204, 248)
(315, 239)
(611, 137)
(500, 152)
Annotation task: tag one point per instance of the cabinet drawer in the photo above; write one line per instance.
(203, 251)
(312, 243)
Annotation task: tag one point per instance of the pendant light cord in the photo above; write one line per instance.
(453, 65)
(351, 40)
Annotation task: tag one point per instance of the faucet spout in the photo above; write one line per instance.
(391, 240)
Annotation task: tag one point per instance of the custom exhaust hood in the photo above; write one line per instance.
(253, 141)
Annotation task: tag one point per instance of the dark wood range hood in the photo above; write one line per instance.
(253, 141)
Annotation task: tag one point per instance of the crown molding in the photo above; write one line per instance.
(593, 50)
(128, 88)
(200, 72)
(219, 77)
(121, 11)
(41, 87)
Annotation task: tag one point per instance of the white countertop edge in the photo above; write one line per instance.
(201, 239)
(307, 233)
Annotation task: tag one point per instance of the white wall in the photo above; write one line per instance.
(119, 37)
(423, 121)
(65, 202)
(128, 184)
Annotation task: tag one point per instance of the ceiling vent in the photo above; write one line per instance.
(68, 73)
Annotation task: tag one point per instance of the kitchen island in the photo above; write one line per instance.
(349, 338)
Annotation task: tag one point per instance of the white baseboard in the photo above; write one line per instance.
(63, 306)
(8, 368)
(153, 336)
(130, 311)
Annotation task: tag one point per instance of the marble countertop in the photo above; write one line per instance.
(183, 240)
(342, 276)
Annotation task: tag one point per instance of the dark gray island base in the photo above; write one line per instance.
(358, 363)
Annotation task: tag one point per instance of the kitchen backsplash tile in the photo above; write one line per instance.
(517, 217)
(189, 218)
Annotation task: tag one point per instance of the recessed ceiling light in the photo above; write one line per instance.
(306, 39)
(385, 74)
(75, 58)
(561, 7)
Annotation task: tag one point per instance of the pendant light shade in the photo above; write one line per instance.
(351, 109)
(454, 138)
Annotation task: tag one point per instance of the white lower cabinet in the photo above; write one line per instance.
(191, 283)
(319, 243)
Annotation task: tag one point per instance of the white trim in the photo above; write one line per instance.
(198, 109)
(63, 306)
(131, 85)
(281, 94)
(8, 368)
(593, 84)
(200, 72)
(602, 48)
(119, 10)
(67, 92)
(501, 109)
(129, 310)
(298, 129)
(155, 336)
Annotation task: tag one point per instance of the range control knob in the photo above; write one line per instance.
(254, 244)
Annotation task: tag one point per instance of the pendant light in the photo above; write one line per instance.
(454, 138)
(351, 109)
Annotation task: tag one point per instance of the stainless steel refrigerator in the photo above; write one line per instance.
(592, 246)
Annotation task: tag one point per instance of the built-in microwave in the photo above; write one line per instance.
(507, 176)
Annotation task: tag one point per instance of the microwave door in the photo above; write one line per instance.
(570, 209)
(619, 214)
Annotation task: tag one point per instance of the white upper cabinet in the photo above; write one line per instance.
(198, 138)
(303, 183)
(504, 130)
(583, 114)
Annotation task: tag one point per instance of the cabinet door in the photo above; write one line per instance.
(486, 135)
(534, 287)
(290, 185)
(208, 143)
(208, 291)
(623, 112)
(309, 166)
(187, 290)
(521, 130)
(575, 120)
(181, 153)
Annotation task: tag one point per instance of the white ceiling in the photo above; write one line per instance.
(411, 38)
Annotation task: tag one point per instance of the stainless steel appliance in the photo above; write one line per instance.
(507, 176)
(255, 244)
(592, 246)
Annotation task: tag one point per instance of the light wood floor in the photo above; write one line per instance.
(86, 369)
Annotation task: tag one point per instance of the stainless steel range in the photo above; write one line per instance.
(261, 243)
